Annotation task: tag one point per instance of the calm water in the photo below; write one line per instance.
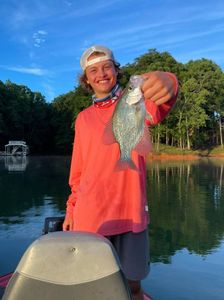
(186, 200)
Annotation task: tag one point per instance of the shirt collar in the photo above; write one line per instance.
(115, 93)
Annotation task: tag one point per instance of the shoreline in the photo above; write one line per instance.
(167, 156)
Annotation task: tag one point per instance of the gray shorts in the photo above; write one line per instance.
(133, 252)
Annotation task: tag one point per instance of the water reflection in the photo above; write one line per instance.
(187, 207)
(20, 192)
(185, 199)
(187, 220)
(30, 222)
(16, 163)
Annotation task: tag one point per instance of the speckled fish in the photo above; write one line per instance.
(128, 124)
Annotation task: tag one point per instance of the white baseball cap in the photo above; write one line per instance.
(108, 54)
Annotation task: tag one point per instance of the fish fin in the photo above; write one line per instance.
(108, 135)
(125, 165)
(145, 145)
(149, 117)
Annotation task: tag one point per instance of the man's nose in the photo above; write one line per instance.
(101, 72)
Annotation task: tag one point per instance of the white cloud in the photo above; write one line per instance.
(43, 32)
(33, 71)
(39, 38)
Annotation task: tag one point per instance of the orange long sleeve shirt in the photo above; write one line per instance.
(101, 200)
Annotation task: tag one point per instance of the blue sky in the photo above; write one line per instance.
(42, 40)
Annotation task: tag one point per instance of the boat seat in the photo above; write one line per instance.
(68, 266)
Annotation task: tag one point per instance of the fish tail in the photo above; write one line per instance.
(125, 165)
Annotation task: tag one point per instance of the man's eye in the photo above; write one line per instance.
(92, 71)
(107, 66)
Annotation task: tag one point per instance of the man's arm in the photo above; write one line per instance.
(74, 180)
(160, 90)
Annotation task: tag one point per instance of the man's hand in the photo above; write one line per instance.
(158, 87)
(68, 224)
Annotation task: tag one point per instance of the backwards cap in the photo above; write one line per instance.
(108, 54)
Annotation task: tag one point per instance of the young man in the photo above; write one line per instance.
(110, 203)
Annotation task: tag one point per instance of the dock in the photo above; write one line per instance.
(16, 148)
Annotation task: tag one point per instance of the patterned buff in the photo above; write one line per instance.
(109, 100)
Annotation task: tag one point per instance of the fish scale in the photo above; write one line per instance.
(128, 124)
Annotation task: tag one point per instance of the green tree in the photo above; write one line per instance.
(66, 108)
(195, 122)
(24, 116)
(192, 115)
(153, 61)
(209, 80)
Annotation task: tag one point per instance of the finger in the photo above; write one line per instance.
(149, 82)
(66, 226)
(152, 77)
(161, 88)
(160, 93)
(153, 90)
(162, 100)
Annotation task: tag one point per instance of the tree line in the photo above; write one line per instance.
(196, 121)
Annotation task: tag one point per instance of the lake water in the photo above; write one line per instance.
(186, 200)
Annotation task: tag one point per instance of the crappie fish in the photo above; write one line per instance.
(128, 124)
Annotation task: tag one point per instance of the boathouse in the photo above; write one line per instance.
(16, 148)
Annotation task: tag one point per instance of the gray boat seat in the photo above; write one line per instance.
(68, 266)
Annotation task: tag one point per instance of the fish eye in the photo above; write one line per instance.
(130, 88)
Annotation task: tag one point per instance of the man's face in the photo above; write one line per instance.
(102, 76)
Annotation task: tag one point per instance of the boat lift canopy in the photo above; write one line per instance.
(16, 148)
